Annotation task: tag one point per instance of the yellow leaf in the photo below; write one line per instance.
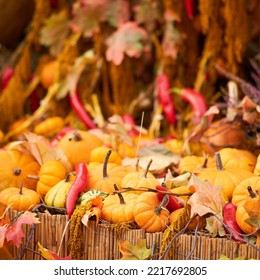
(49, 255)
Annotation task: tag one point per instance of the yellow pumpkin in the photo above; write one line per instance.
(19, 199)
(78, 145)
(98, 154)
(195, 163)
(246, 189)
(57, 195)
(257, 166)
(15, 166)
(140, 179)
(50, 126)
(51, 172)
(102, 177)
(243, 159)
(118, 208)
(225, 179)
(150, 213)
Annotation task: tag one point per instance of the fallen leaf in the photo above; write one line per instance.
(94, 211)
(214, 226)
(224, 257)
(127, 39)
(15, 232)
(136, 251)
(3, 230)
(50, 255)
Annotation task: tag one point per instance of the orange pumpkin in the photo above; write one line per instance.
(225, 179)
(257, 166)
(118, 208)
(102, 177)
(140, 179)
(194, 163)
(51, 172)
(19, 199)
(48, 73)
(78, 145)
(98, 154)
(150, 213)
(50, 126)
(15, 166)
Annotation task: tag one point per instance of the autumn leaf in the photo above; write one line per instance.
(3, 230)
(94, 211)
(54, 32)
(224, 257)
(50, 255)
(127, 39)
(15, 232)
(118, 12)
(136, 251)
(207, 200)
(249, 110)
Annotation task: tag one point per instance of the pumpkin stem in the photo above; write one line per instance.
(121, 198)
(219, 163)
(137, 165)
(252, 194)
(33, 177)
(205, 163)
(67, 179)
(147, 168)
(17, 171)
(75, 136)
(163, 204)
(21, 189)
(105, 164)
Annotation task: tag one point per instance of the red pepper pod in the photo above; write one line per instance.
(79, 109)
(78, 186)
(229, 219)
(59, 135)
(165, 98)
(129, 120)
(173, 203)
(189, 7)
(7, 74)
(195, 99)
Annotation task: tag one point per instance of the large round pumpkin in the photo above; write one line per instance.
(150, 214)
(77, 146)
(15, 166)
(19, 199)
(225, 179)
(98, 154)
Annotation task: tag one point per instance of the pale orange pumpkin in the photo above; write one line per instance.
(150, 213)
(50, 126)
(15, 166)
(78, 145)
(195, 163)
(257, 166)
(98, 154)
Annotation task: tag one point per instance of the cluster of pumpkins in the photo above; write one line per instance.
(24, 183)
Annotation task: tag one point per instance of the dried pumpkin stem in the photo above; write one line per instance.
(147, 168)
(252, 194)
(205, 163)
(219, 163)
(17, 171)
(121, 198)
(21, 189)
(75, 136)
(162, 205)
(105, 164)
(33, 177)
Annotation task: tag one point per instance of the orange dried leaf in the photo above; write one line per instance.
(49, 255)
(136, 251)
(95, 210)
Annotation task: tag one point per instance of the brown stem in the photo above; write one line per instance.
(121, 198)
(137, 165)
(21, 189)
(17, 171)
(258, 237)
(219, 163)
(252, 194)
(105, 164)
(205, 163)
(67, 179)
(162, 205)
(75, 136)
(33, 177)
(147, 168)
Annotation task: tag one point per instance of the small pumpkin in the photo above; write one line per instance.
(91, 194)
(57, 195)
(150, 213)
(48, 73)
(15, 166)
(98, 154)
(102, 177)
(19, 199)
(257, 166)
(77, 146)
(195, 163)
(51, 172)
(140, 179)
(243, 159)
(225, 179)
(246, 189)
(50, 126)
(118, 208)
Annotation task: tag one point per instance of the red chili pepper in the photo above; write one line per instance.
(129, 120)
(229, 219)
(7, 74)
(189, 7)
(165, 97)
(60, 134)
(173, 203)
(195, 99)
(78, 186)
(79, 109)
